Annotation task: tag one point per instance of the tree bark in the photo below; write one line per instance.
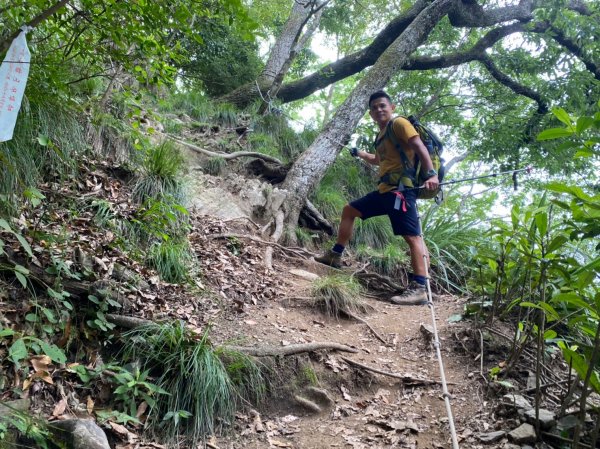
(310, 168)
(286, 46)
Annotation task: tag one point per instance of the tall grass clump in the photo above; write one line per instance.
(391, 260)
(451, 238)
(192, 103)
(44, 146)
(162, 166)
(338, 295)
(375, 232)
(172, 260)
(214, 165)
(205, 385)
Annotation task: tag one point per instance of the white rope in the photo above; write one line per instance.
(436, 343)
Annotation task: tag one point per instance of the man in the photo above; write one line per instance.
(387, 200)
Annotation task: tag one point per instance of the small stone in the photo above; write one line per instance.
(546, 418)
(525, 433)
(80, 434)
(491, 437)
(517, 401)
(567, 422)
(305, 274)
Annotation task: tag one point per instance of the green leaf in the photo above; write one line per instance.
(584, 123)
(556, 243)
(581, 366)
(4, 225)
(575, 300)
(22, 279)
(541, 221)
(18, 351)
(43, 140)
(6, 333)
(550, 334)
(551, 313)
(562, 115)
(54, 352)
(21, 269)
(24, 244)
(554, 133)
(49, 315)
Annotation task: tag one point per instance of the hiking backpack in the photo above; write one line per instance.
(434, 147)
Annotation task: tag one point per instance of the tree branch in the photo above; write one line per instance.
(513, 85)
(4, 44)
(560, 37)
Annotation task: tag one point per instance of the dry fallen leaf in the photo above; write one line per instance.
(40, 362)
(89, 405)
(60, 407)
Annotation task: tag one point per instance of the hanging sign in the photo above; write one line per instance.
(13, 78)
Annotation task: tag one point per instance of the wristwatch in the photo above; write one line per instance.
(431, 173)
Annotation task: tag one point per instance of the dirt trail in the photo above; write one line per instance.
(369, 410)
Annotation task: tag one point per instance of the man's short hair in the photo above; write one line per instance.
(379, 94)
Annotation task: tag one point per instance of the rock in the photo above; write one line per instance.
(567, 422)
(546, 418)
(491, 437)
(8, 408)
(305, 274)
(525, 433)
(80, 434)
(427, 332)
(320, 395)
(516, 401)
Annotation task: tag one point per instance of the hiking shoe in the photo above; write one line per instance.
(414, 295)
(330, 258)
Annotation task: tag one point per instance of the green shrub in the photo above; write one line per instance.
(338, 294)
(161, 173)
(173, 260)
(205, 385)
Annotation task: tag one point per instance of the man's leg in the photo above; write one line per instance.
(418, 252)
(333, 257)
(415, 293)
(349, 214)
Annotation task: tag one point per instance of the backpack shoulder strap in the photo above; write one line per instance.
(390, 134)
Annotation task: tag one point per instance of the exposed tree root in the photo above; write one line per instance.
(226, 156)
(378, 282)
(407, 380)
(359, 319)
(127, 322)
(300, 252)
(265, 351)
(308, 404)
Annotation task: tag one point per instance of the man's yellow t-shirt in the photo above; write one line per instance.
(390, 161)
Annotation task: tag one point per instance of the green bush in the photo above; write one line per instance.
(162, 167)
(205, 385)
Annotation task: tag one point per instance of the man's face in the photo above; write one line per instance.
(381, 110)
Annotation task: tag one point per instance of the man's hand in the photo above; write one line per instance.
(354, 152)
(432, 183)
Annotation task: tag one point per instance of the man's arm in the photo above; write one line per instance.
(420, 150)
(370, 158)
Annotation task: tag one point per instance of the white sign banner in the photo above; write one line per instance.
(13, 78)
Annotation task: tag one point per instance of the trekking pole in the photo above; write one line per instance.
(475, 178)
(436, 343)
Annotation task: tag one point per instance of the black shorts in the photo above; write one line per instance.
(404, 220)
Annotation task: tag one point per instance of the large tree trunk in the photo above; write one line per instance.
(282, 53)
(310, 168)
